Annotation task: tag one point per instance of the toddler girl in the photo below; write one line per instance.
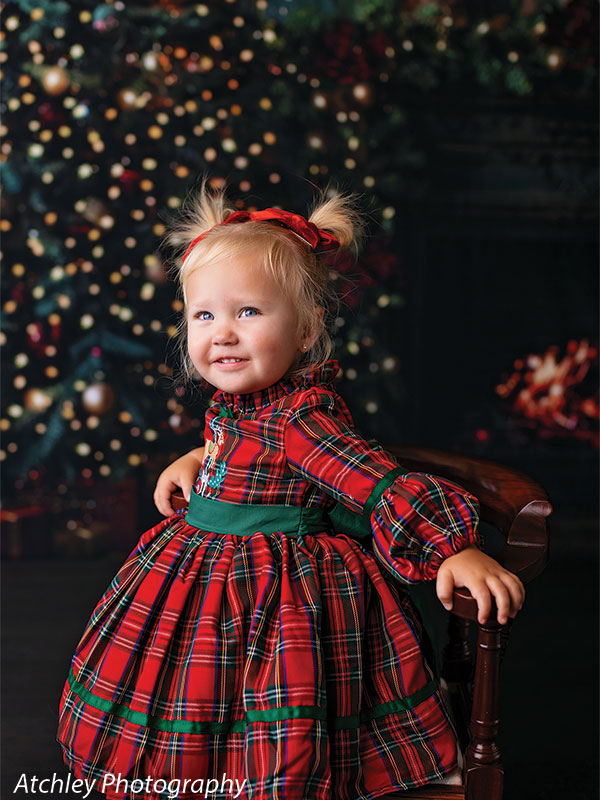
(263, 639)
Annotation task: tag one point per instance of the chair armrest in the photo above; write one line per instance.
(527, 562)
(509, 500)
(178, 501)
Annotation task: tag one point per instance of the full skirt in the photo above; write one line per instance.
(271, 666)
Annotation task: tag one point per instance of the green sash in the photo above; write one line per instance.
(244, 519)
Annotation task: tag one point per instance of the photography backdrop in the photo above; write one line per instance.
(470, 320)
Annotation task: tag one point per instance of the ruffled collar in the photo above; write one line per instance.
(323, 375)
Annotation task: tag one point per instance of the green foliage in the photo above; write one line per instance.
(153, 96)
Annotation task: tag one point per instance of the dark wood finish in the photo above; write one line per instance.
(483, 765)
(178, 501)
(517, 507)
(457, 672)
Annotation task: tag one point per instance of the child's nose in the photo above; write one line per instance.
(224, 333)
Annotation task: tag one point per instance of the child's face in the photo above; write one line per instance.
(242, 329)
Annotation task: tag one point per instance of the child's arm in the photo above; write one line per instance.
(415, 520)
(423, 527)
(484, 578)
(181, 474)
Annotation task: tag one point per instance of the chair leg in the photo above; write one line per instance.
(484, 772)
(457, 672)
(457, 657)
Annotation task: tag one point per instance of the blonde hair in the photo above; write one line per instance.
(302, 274)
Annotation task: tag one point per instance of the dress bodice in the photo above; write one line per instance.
(246, 456)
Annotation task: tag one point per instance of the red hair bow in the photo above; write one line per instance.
(316, 238)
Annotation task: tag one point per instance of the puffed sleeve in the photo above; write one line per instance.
(416, 519)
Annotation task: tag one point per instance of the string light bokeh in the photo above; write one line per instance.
(110, 114)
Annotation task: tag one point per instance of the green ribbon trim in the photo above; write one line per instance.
(383, 709)
(356, 524)
(383, 484)
(245, 519)
(239, 726)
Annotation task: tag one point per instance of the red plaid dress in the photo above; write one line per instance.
(291, 662)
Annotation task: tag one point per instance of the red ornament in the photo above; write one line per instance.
(129, 179)
(378, 43)
(343, 58)
(18, 293)
(47, 113)
(35, 338)
(55, 331)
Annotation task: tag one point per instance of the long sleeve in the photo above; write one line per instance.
(417, 520)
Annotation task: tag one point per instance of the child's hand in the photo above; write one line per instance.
(181, 474)
(484, 578)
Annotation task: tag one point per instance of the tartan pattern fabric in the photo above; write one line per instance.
(293, 665)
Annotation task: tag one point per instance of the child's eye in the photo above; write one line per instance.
(203, 315)
(249, 312)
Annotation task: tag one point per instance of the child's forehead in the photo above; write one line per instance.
(231, 278)
(243, 267)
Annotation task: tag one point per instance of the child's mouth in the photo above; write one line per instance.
(230, 363)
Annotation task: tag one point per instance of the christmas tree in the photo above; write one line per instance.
(111, 114)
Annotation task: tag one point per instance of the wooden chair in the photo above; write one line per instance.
(517, 507)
